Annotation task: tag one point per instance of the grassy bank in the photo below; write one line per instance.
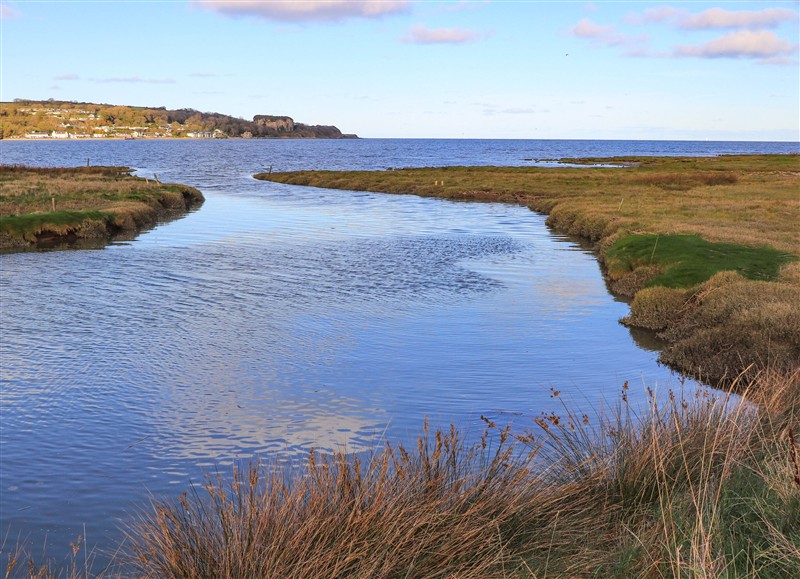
(54, 207)
(707, 247)
(699, 487)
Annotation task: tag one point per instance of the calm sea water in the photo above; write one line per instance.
(279, 318)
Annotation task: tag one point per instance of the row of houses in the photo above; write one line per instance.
(57, 135)
(126, 133)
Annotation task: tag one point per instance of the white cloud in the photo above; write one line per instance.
(608, 35)
(420, 34)
(306, 10)
(749, 39)
(68, 76)
(588, 29)
(659, 14)
(714, 18)
(761, 44)
(720, 18)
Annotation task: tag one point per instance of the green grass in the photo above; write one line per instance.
(33, 223)
(688, 260)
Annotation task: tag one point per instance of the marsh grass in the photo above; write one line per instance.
(46, 204)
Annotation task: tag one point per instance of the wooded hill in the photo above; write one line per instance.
(67, 119)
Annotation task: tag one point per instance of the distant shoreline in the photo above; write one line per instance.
(100, 140)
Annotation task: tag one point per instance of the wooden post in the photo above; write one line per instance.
(87, 162)
(270, 170)
(53, 201)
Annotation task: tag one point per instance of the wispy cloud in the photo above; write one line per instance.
(306, 10)
(588, 29)
(420, 34)
(608, 35)
(749, 38)
(68, 76)
(134, 80)
(7, 13)
(761, 44)
(715, 18)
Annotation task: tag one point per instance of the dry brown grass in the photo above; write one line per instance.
(438, 510)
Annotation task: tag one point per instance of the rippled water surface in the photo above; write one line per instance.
(277, 318)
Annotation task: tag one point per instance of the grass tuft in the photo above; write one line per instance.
(688, 260)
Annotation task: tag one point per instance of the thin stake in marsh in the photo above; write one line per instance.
(652, 255)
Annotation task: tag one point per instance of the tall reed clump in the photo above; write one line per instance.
(705, 486)
(439, 510)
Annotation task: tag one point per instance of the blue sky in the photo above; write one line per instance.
(397, 68)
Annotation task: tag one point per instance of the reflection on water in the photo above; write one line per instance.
(279, 318)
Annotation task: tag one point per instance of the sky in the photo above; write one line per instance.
(425, 69)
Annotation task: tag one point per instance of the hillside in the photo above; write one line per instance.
(26, 119)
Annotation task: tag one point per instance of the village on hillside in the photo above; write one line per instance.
(60, 122)
(24, 119)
